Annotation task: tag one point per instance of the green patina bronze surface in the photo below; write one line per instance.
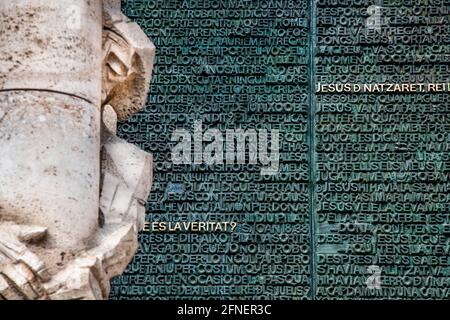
(360, 206)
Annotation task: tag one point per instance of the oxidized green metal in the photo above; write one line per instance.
(359, 208)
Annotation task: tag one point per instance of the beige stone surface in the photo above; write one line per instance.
(129, 59)
(52, 45)
(72, 194)
(50, 164)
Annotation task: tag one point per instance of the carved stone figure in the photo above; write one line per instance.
(72, 194)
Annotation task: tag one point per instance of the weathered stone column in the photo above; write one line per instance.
(72, 194)
(50, 91)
